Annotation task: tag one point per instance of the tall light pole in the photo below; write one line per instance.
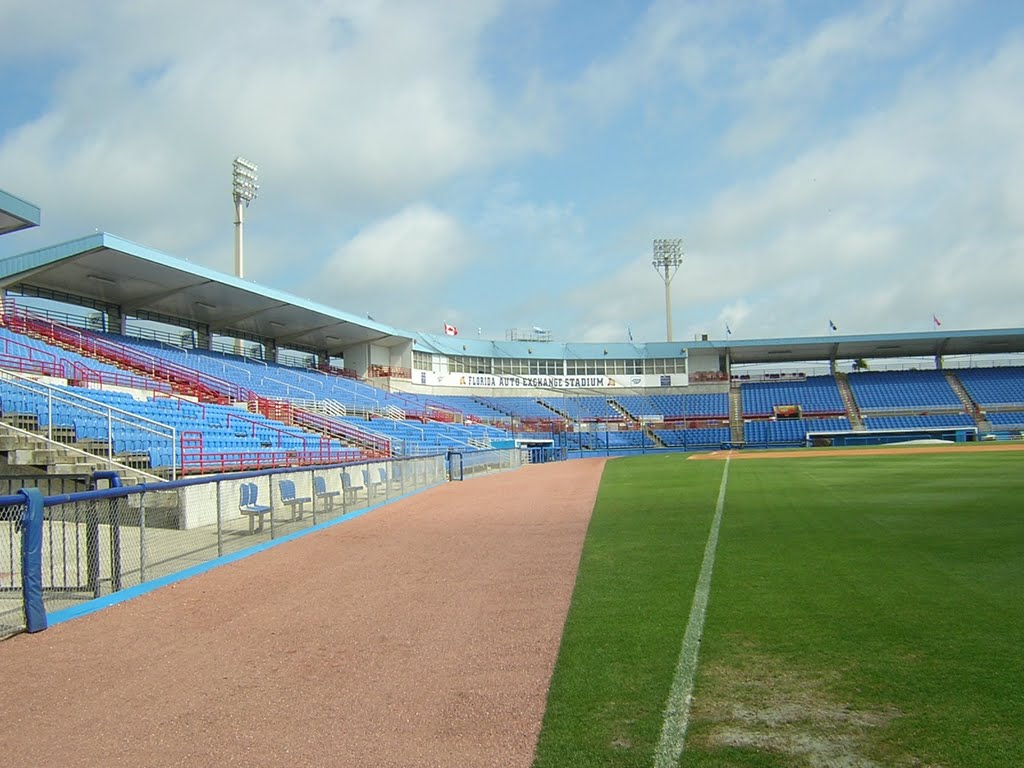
(668, 255)
(244, 190)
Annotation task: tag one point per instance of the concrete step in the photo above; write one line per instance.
(71, 469)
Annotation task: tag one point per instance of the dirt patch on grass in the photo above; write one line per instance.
(764, 706)
(882, 450)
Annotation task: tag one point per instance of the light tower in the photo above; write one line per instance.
(244, 190)
(668, 255)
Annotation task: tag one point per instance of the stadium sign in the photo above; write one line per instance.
(499, 381)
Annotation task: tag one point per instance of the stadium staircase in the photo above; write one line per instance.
(634, 423)
(736, 413)
(654, 437)
(558, 411)
(850, 403)
(623, 411)
(25, 449)
(980, 420)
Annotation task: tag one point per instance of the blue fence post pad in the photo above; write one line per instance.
(32, 559)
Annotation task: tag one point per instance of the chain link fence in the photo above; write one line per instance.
(100, 542)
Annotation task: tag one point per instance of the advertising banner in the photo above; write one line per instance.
(496, 381)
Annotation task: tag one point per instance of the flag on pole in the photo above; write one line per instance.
(936, 321)
(832, 325)
(728, 330)
(630, 332)
(450, 330)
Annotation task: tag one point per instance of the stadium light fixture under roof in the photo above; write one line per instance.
(668, 255)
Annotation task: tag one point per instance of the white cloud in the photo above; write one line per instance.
(351, 109)
(779, 92)
(393, 262)
(671, 43)
(913, 209)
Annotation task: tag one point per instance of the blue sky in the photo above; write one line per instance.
(501, 165)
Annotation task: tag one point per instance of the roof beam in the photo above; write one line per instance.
(313, 329)
(141, 302)
(226, 322)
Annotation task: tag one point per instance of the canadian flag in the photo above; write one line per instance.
(451, 330)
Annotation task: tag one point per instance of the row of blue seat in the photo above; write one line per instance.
(994, 386)
(892, 390)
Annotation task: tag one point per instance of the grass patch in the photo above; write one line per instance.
(865, 611)
(631, 602)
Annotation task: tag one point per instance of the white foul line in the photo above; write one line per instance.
(677, 710)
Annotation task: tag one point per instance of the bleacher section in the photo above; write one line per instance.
(410, 438)
(613, 440)
(281, 381)
(153, 426)
(1007, 419)
(215, 443)
(473, 407)
(902, 390)
(583, 408)
(816, 395)
(524, 408)
(673, 407)
(32, 356)
(233, 391)
(919, 422)
(703, 437)
(994, 386)
(789, 431)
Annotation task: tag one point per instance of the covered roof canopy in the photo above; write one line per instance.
(103, 270)
(16, 214)
(144, 283)
(872, 346)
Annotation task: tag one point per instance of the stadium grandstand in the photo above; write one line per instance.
(157, 365)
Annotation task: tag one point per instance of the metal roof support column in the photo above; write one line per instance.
(939, 351)
(116, 321)
(204, 339)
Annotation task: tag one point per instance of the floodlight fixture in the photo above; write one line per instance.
(244, 190)
(243, 181)
(668, 255)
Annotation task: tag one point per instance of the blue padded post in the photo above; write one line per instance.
(32, 559)
(109, 475)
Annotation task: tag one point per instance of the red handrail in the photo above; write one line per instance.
(25, 365)
(196, 460)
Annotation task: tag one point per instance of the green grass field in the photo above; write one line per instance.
(864, 611)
